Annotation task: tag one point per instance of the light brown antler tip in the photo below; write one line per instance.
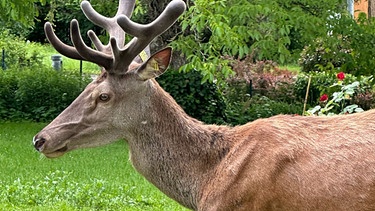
(179, 6)
(85, 3)
(48, 28)
(74, 21)
(47, 24)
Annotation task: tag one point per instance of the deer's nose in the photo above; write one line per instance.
(38, 142)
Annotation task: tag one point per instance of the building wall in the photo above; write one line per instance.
(360, 6)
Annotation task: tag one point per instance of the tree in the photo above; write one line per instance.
(371, 8)
(22, 11)
(276, 30)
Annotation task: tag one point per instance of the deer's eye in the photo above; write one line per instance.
(104, 97)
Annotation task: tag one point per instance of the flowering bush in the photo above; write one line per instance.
(339, 99)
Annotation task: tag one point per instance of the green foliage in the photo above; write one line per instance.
(252, 108)
(330, 50)
(37, 94)
(200, 100)
(349, 46)
(271, 87)
(321, 83)
(272, 30)
(338, 103)
(61, 12)
(342, 99)
(22, 11)
(8, 88)
(58, 188)
(19, 53)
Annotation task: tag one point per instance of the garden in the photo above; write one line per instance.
(231, 66)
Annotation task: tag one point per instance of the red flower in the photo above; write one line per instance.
(323, 98)
(340, 76)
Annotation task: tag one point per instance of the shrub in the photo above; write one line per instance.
(37, 94)
(252, 108)
(20, 53)
(324, 51)
(200, 100)
(321, 83)
(260, 77)
(349, 46)
(340, 102)
(8, 88)
(271, 87)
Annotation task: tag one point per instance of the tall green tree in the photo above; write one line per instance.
(276, 30)
(22, 11)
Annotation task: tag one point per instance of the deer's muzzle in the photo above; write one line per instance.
(38, 143)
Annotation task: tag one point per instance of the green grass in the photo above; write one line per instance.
(291, 67)
(45, 52)
(68, 64)
(90, 179)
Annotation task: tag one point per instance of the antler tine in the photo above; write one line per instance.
(80, 51)
(144, 34)
(61, 47)
(100, 58)
(125, 8)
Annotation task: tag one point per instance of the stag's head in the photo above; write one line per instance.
(114, 100)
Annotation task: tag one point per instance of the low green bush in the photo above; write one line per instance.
(200, 100)
(321, 83)
(37, 94)
(252, 108)
(20, 53)
(272, 91)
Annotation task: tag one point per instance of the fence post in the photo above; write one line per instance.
(251, 88)
(80, 73)
(3, 65)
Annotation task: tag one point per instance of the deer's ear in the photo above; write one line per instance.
(155, 65)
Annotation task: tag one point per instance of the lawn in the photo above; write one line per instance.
(90, 179)
(68, 63)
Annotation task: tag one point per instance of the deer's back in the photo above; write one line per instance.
(297, 163)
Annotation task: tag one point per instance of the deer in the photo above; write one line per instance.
(283, 162)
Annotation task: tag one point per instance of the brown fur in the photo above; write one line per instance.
(279, 163)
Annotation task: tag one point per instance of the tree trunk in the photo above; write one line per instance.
(371, 8)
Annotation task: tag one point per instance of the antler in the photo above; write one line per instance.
(144, 34)
(115, 56)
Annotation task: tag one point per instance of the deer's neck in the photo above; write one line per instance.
(174, 151)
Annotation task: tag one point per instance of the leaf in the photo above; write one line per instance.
(314, 110)
(358, 110)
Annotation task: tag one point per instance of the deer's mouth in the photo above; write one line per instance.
(62, 149)
(57, 153)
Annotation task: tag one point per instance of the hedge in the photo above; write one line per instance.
(38, 95)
